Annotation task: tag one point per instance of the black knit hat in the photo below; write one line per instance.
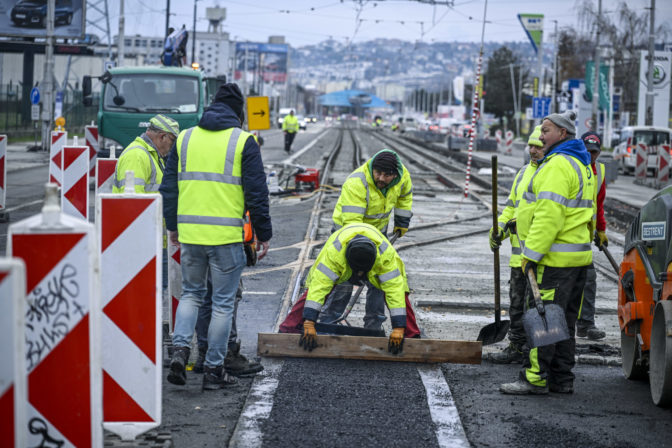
(385, 161)
(231, 95)
(360, 253)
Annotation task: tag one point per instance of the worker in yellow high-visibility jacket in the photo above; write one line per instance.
(290, 126)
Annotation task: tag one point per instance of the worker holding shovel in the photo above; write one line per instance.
(555, 227)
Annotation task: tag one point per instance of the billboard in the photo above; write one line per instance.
(268, 61)
(28, 18)
(661, 88)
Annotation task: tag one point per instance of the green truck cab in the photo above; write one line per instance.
(130, 96)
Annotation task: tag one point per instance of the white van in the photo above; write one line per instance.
(631, 136)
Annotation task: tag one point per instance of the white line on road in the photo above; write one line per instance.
(449, 430)
(27, 204)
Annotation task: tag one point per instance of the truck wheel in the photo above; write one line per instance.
(630, 355)
(660, 356)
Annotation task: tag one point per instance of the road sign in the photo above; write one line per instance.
(35, 112)
(34, 95)
(541, 106)
(258, 117)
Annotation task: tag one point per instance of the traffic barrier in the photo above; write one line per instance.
(58, 141)
(91, 137)
(4, 214)
(13, 395)
(105, 172)
(62, 347)
(498, 137)
(131, 242)
(641, 160)
(663, 175)
(75, 189)
(174, 282)
(508, 143)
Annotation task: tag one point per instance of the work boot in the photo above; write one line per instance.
(237, 364)
(567, 388)
(198, 365)
(522, 387)
(215, 378)
(507, 356)
(590, 331)
(178, 366)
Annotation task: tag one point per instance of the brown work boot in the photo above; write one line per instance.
(237, 364)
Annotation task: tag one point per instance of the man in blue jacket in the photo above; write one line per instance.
(205, 196)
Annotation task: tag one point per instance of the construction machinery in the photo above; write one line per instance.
(645, 298)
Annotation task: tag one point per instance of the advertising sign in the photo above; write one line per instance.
(533, 24)
(604, 83)
(28, 18)
(269, 61)
(661, 88)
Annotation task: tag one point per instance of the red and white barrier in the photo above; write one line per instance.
(174, 282)
(663, 176)
(13, 395)
(75, 189)
(61, 327)
(641, 161)
(508, 142)
(105, 172)
(498, 138)
(4, 216)
(58, 141)
(131, 241)
(91, 137)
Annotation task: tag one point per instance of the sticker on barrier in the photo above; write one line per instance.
(91, 137)
(174, 282)
(663, 175)
(61, 323)
(641, 160)
(13, 395)
(58, 141)
(4, 215)
(75, 190)
(131, 241)
(105, 169)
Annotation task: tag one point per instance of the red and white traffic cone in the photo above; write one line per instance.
(131, 240)
(75, 189)
(58, 141)
(62, 347)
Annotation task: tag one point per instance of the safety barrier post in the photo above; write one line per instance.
(4, 214)
(105, 172)
(91, 137)
(641, 161)
(174, 282)
(131, 241)
(75, 188)
(62, 343)
(509, 141)
(663, 174)
(58, 141)
(13, 395)
(498, 137)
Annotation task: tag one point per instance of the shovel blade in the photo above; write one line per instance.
(545, 330)
(345, 330)
(494, 332)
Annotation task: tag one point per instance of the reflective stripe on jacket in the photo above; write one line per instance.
(362, 201)
(517, 189)
(387, 274)
(555, 214)
(290, 123)
(141, 158)
(210, 203)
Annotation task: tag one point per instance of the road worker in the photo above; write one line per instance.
(517, 282)
(358, 254)
(585, 325)
(370, 194)
(290, 126)
(555, 225)
(213, 173)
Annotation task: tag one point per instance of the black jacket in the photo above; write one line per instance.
(218, 117)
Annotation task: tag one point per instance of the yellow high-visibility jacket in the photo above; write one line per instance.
(141, 158)
(290, 123)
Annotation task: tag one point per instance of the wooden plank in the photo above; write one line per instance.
(370, 348)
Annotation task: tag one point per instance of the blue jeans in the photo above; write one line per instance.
(226, 264)
(205, 312)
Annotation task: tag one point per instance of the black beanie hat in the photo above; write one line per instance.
(231, 95)
(385, 161)
(360, 253)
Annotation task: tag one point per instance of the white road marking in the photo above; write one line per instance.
(296, 155)
(449, 430)
(27, 204)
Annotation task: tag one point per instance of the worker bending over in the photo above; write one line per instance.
(358, 254)
(370, 195)
(517, 282)
(555, 227)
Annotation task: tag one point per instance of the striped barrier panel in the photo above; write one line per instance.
(75, 188)
(105, 169)
(498, 138)
(174, 282)
(91, 137)
(4, 215)
(58, 141)
(641, 160)
(62, 344)
(131, 242)
(13, 395)
(508, 142)
(663, 175)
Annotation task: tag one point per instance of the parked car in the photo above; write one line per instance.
(631, 136)
(34, 12)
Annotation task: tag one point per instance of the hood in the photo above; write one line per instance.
(573, 147)
(217, 117)
(400, 170)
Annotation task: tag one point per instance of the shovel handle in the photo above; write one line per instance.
(536, 294)
(495, 226)
(604, 249)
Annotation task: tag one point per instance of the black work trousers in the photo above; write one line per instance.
(289, 138)
(517, 288)
(554, 363)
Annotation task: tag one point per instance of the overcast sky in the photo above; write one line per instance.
(304, 22)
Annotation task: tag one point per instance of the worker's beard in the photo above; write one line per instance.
(382, 184)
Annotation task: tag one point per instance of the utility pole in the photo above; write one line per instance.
(596, 74)
(167, 17)
(193, 38)
(555, 68)
(121, 44)
(48, 80)
(515, 105)
(610, 111)
(649, 75)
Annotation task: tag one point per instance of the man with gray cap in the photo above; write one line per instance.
(555, 227)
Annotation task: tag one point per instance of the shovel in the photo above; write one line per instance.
(495, 332)
(544, 324)
(611, 259)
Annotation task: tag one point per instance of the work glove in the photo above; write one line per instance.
(309, 338)
(396, 342)
(402, 230)
(526, 265)
(510, 227)
(496, 236)
(601, 239)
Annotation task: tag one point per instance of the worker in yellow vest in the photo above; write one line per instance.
(290, 126)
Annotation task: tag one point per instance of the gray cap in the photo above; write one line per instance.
(564, 120)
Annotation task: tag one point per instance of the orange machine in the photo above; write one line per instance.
(645, 298)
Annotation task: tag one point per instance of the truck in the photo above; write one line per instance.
(130, 96)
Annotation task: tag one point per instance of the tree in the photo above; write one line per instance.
(499, 91)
